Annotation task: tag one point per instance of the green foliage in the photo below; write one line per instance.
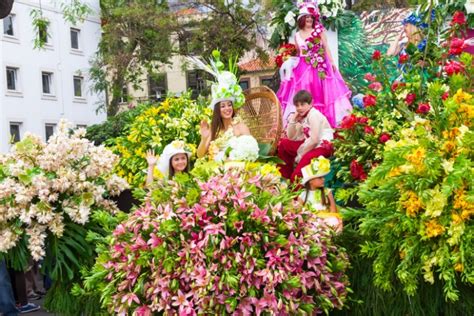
(40, 26)
(115, 126)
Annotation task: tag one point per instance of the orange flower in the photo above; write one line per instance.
(412, 204)
(433, 228)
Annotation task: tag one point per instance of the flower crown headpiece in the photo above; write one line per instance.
(308, 8)
(226, 87)
(319, 167)
(415, 20)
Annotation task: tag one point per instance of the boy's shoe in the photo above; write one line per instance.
(28, 308)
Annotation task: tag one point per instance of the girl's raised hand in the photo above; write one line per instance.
(151, 158)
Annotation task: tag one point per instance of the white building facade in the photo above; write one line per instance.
(41, 86)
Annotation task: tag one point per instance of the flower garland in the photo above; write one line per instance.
(314, 52)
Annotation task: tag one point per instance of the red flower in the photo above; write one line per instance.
(279, 60)
(369, 100)
(362, 120)
(370, 77)
(458, 18)
(376, 55)
(357, 171)
(423, 108)
(453, 67)
(403, 58)
(369, 130)
(445, 95)
(348, 121)
(384, 137)
(410, 98)
(456, 47)
(376, 86)
(397, 84)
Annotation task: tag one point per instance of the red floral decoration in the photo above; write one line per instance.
(376, 55)
(369, 100)
(423, 108)
(285, 51)
(458, 18)
(384, 137)
(410, 98)
(357, 171)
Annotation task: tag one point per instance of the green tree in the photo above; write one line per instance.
(137, 37)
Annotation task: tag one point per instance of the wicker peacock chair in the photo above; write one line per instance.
(262, 114)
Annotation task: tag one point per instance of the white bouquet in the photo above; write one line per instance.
(243, 148)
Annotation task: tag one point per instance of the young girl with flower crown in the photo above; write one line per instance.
(317, 196)
(175, 159)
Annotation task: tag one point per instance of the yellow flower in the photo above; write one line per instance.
(269, 169)
(411, 203)
(417, 157)
(433, 228)
(449, 146)
(461, 96)
(395, 172)
(459, 267)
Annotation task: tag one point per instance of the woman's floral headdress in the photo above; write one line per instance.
(308, 8)
(227, 87)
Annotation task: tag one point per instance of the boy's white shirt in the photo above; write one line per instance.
(319, 130)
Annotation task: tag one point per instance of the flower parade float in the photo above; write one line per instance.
(229, 239)
(52, 195)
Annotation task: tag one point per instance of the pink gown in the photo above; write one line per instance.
(330, 95)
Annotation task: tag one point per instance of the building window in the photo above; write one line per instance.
(49, 130)
(81, 126)
(266, 81)
(78, 81)
(15, 132)
(244, 84)
(8, 25)
(124, 94)
(75, 33)
(47, 80)
(12, 79)
(196, 82)
(157, 86)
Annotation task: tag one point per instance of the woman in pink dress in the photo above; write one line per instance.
(315, 71)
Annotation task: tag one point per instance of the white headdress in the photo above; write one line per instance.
(173, 148)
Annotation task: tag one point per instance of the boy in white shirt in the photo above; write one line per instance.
(309, 136)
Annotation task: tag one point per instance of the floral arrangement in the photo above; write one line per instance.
(330, 8)
(389, 104)
(419, 216)
(47, 187)
(285, 51)
(243, 148)
(154, 128)
(232, 242)
(314, 51)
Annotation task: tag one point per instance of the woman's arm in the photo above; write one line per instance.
(205, 139)
(395, 46)
(324, 40)
(241, 129)
(203, 147)
(332, 203)
(152, 160)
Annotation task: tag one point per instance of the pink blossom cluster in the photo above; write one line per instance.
(44, 185)
(246, 247)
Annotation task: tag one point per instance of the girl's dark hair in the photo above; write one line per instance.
(217, 124)
(302, 21)
(302, 96)
(324, 201)
(172, 173)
